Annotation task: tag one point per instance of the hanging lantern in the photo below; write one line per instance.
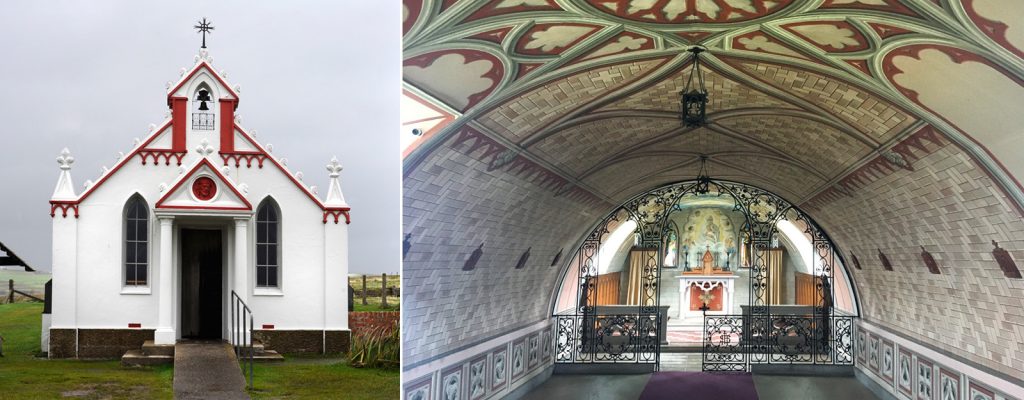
(694, 97)
(703, 179)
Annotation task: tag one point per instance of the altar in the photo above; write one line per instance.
(712, 282)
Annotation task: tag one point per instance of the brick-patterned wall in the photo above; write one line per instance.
(452, 204)
(951, 207)
(365, 321)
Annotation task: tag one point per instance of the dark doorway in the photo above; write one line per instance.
(201, 264)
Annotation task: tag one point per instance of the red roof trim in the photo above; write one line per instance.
(123, 161)
(212, 72)
(281, 168)
(206, 162)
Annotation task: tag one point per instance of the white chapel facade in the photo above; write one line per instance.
(198, 210)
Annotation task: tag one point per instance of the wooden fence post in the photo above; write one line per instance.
(10, 293)
(383, 290)
(364, 289)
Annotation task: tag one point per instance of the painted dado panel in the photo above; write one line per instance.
(914, 371)
(490, 369)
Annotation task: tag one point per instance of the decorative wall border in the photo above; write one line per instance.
(934, 375)
(493, 358)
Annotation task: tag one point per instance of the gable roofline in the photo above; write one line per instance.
(204, 161)
(13, 259)
(195, 70)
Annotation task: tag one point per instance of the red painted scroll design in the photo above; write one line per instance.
(248, 157)
(63, 206)
(166, 155)
(337, 213)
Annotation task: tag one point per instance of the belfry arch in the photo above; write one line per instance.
(594, 313)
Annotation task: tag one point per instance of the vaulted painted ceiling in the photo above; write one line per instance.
(805, 96)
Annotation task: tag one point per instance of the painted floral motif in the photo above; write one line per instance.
(498, 369)
(477, 378)
(451, 385)
(518, 361)
(683, 11)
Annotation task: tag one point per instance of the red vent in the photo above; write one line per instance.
(885, 261)
(134, 325)
(1005, 261)
(929, 261)
(268, 326)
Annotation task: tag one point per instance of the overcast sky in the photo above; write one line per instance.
(317, 78)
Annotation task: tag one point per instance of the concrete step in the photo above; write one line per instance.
(135, 358)
(268, 356)
(150, 349)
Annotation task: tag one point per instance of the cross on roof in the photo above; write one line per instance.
(204, 27)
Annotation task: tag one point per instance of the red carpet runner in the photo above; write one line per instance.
(699, 386)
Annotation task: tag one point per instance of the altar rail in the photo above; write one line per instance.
(608, 338)
(733, 342)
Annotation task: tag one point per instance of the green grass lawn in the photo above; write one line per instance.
(24, 376)
(301, 377)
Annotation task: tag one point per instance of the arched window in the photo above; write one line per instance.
(268, 244)
(136, 242)
(202, 108)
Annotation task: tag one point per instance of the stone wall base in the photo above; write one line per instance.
(284, 341)
(96, 343)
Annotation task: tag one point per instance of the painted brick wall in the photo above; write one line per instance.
(365, 321)
(951, 207)
(452, 204)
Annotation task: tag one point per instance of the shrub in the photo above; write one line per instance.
(378, 347)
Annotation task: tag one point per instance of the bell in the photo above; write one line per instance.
(203, 97)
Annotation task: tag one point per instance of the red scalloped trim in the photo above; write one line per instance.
(996, 30)
(337, 213)
(63, 206)
(248, 157)
(156, 155)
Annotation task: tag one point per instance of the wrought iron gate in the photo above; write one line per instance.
(593, 334)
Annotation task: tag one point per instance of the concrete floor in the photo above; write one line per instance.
(769, 387)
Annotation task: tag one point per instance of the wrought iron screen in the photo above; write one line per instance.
(731, 342)
(607, 338)
(204, 121)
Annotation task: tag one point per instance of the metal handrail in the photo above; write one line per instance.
(243, 343)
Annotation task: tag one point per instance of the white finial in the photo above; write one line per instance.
(152, 127)
(334, 196)
(181, 170)
(87, 184)
(104, 170)
(204, 148)
(136, 141)
(270, 147)
(225, 170)
(284, 162)
(238, 88)
(65, 159)
(224, 73)
(119, 156)
(253, 133)
(168, 85)
(182, 71)
(298, 175)
(334, 168)
(65, 189)
(167, 114)
(163, 187)
(238, 118)
(244, 188)
(312, 188)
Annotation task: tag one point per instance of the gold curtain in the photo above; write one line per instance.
(637, 258)
(774, 258)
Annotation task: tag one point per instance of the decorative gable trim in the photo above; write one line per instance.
(189, 178)
(195, 70)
